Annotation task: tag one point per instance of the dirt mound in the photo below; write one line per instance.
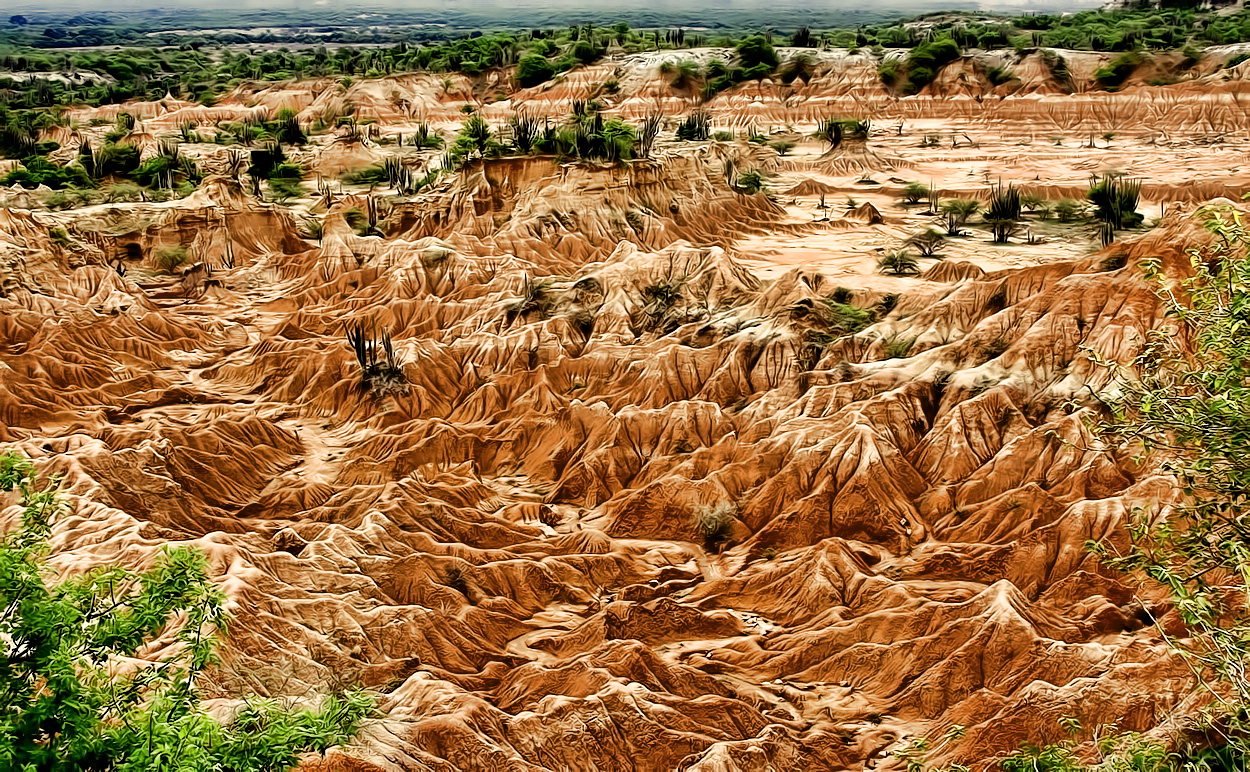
(950, 271)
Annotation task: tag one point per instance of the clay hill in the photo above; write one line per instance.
(626, 492)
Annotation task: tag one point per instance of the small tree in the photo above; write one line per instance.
(73, 699)
(1032, 201)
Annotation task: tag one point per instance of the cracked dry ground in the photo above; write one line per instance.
(504, 548)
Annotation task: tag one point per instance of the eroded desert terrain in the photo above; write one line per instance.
(503, 542)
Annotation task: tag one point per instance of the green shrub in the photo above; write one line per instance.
(369, 175)
(1067, 210)
(64, 642)
(843, 318)
(116, 160)
(715, 524)
(695, 127)
(533, 70)
(39, 171)
(926, 59)
(1184, 399)
(585, 52)
(750, 182)
(1002, 230)
(265, 160)
(757, 54)
(915, 192)
(284, 188)
(1115, 201)
(957, 211)
(834, 130)
(1113, 74)
(476, 138)
(927, 242)
(1236, 60)
(170, 259)
(1004, 203)
(897, 347)
(889, 72)
(1000, 75)
(123, 192)
(899, 263)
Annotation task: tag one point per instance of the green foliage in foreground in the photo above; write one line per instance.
(1187, 396)
(71, 697)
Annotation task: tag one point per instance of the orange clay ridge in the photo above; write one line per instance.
(503, 544)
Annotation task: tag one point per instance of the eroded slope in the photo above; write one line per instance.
(504, 545)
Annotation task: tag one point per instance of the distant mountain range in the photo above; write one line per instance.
(718, 14)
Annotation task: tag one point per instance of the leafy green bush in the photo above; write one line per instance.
(123, 191)
(533, 70)
(369, 175)
(116, 160)
(1114, 73)
(283, 189)
(40, 171)
(843, 318)
(897, 347)
(1002, 230)
(1000, 75)
(287, 129)
(265, 160)
(1236, 60)
(585, 52)
(927, 242)
(67, 707)
(889, 71)
(924, 61)
(750, 182)
(476, 139)
(834, 130)
(755, 53)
